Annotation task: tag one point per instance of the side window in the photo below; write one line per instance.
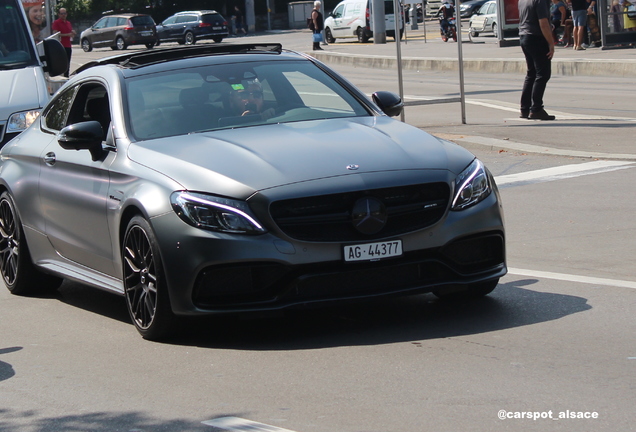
(169, 21)
(338, 12)
(121, 21)
(101, 23)
(57, 113)
(78, 104)
(316, 94)
(186, 18)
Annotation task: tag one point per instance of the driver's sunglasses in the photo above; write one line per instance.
(256, 94)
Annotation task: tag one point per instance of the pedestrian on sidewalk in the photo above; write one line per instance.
(592, 25)
(558, 13)
(63, 25)
(535, 37)
(239, 23)
(318, 25)
(579, 16)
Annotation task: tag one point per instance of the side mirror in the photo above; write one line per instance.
(55, 57)
(389, 103)
(83, 136)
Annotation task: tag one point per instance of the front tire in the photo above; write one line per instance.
(329, 36)
(86, 45)
(120, 43)
(19, 274)
(150, 45)
(144, 282)
(217, 39)
(495, 31)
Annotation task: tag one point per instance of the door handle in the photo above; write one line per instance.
(50, 159)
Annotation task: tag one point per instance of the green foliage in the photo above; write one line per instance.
(77, 9)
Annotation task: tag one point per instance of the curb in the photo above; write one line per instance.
(623, 68)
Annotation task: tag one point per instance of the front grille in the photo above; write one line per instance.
(329, 217)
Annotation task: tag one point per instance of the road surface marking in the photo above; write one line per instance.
(572, 278)
(239, 424)
(562, 172)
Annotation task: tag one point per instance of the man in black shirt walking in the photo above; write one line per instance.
(535, 37)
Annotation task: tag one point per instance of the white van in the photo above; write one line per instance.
(354, 19)
(23, 85)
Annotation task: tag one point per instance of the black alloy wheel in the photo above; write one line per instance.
(19, 274)
(144, 282)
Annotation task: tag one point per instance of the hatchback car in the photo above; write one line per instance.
(119, 32)
(484, 21)
(188, 27)
(237, 178)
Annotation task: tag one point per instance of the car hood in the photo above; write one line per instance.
(255, 158)
(21, 90)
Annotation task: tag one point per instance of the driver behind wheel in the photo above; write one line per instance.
(246, 98)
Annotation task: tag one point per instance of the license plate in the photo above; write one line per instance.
(373, 251)
(145, 33)
(217, 28)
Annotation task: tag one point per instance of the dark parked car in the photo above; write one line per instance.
(188, 27)
(119, 32)
(237, 178)
(469, 8)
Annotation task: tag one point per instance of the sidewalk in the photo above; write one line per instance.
(576, 136)
(484, 55)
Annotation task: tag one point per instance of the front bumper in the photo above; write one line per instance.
(209, 272)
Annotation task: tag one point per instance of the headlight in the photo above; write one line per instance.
(215, 213)
(22, 120)
(471, 186)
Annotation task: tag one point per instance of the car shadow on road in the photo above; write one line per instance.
(6, 370)
(405, 319)
(382, 321)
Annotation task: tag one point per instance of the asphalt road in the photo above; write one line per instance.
(556, 338)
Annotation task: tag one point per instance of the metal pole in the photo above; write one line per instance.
(460, 62)
(269, 12)
(397, 21)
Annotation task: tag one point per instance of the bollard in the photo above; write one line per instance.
(413, 17)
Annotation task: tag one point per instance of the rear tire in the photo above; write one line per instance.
(189, 38)
(19, 274)
(362, 36)
(150, 45)
(145, 283)
(454, 35)
(120, 43)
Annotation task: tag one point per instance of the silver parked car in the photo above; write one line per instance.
(484, 21)
(235, 178)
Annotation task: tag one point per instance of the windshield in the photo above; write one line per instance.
(235, 95)
(16, 46)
